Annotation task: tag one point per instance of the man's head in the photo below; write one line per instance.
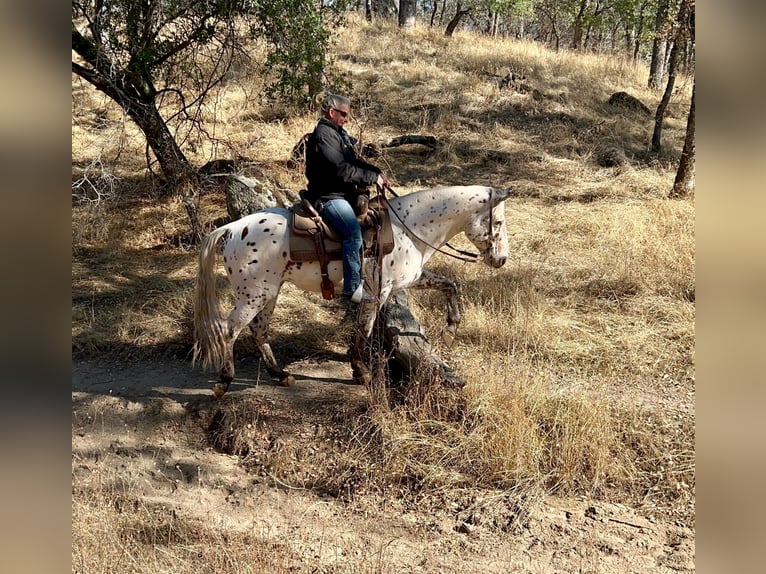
(336, 108)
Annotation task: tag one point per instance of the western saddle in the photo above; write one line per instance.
(311, 239)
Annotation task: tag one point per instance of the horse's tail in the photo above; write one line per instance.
(209, 343)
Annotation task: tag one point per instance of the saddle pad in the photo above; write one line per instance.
(302, 230)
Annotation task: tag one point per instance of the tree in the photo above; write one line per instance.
(407, 11)
(153, 57)
(659, 43)
(499, 9)
(631, 15)
(459, 13)
(552, 16)
(684, 27)
(684, 182)
(387, 9)
(579, 22)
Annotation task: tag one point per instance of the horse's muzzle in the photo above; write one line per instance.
(496, 262)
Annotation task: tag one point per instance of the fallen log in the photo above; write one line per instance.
(373, 149)
(414, 372)
(298, 153)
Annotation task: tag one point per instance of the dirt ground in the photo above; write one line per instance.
(146, 423)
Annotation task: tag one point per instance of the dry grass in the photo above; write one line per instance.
(118, 532)
(566, 349)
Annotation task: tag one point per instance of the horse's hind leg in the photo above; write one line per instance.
(260, 329)
(239, 317)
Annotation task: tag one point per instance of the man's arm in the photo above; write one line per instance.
(358, 173)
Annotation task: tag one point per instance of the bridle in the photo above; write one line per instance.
(466, 256)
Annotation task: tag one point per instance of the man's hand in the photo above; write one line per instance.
(382, 181)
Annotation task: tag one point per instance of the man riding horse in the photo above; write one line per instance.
(336, 176)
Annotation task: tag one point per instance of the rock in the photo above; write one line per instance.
(626, 101)
(610, 156)
(245, 195)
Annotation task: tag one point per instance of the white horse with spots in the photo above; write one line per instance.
(256, 256)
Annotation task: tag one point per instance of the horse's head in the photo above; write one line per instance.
(486, 229)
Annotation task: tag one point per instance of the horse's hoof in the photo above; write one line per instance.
(286, 380)
(219, 389)
(448, 337)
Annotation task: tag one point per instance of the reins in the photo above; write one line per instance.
(468, 256)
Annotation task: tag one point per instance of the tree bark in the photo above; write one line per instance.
(453, 24)
(407, 11)
(684, 182)
(656, 67)
(681, 30)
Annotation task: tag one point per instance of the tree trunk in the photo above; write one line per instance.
(578, 26)
(385, 8)
(656, 67)
(176, 169)
(639, 30)
(684, 182)
(460, 12)
(136, 95)
(407, 11)
(628, 37)
(672, 64)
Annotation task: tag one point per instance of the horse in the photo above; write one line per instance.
(256, 256)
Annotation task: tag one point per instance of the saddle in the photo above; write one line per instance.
(311, 239)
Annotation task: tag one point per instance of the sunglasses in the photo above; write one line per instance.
(341, 112)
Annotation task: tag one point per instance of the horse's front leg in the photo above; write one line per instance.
(365, 320)
(428, 280)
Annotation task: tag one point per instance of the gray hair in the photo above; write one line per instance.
(333, 101)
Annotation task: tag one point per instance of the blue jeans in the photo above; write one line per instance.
(340, 215)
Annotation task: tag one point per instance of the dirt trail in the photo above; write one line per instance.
(139, 424)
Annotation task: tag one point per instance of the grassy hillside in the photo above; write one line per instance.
(579, 353)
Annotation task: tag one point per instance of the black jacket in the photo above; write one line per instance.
(332, 168)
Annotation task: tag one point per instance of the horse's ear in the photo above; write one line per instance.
(500, 195)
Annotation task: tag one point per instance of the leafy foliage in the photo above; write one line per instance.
(300, 32)
(159, 59)
(143, 39)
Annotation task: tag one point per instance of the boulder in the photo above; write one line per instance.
(245, 195)
(625, 101)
